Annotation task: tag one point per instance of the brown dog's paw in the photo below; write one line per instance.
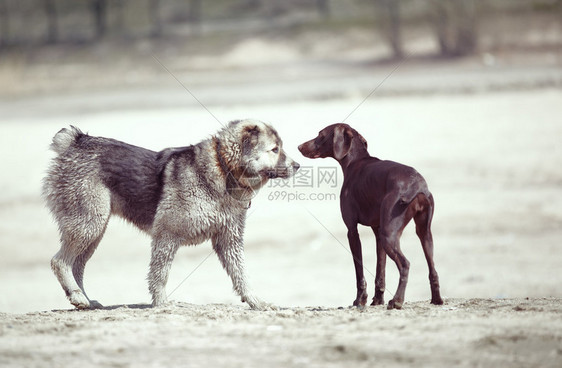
(394, 304)
(358, 304)
(437, 301)
(361, 299)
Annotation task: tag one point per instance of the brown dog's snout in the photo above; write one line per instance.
(305, 148)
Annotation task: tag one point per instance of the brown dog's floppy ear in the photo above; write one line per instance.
(342, 142)
(363, 140)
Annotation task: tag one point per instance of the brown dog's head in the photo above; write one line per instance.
(339, 141)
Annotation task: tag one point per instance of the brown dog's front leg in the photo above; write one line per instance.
(355, 245)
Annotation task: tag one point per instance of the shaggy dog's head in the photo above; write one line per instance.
(253, 153)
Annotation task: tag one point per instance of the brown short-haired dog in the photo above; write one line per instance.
(384, 195)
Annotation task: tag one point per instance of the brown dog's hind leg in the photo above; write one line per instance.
(423, 230)
(380, 284)
(394, 217)
(392, 246)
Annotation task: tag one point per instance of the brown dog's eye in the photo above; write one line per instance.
(275, 150)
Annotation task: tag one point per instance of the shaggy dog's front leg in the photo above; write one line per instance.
(230, 250)
(163, 251)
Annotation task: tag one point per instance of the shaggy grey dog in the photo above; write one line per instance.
(179, 196)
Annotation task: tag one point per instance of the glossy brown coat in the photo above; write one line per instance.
(385, 196)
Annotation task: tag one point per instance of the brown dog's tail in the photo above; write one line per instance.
(420, 197)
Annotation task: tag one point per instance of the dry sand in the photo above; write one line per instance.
(463, 332)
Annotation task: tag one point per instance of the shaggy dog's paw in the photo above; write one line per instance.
(257, 304)
(159, 301)
(79, 300)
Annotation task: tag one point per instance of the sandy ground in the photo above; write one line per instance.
(462, 333)
(491, 155)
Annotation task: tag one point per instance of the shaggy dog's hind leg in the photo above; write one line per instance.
(62, 264)
(81, 227)
(79, 266)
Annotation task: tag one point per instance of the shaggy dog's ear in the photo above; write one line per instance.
(250, 137)
(342, 141)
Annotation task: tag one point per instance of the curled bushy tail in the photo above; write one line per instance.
(64, 139)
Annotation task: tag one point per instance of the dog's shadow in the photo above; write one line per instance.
(128, 306)
(100, 307)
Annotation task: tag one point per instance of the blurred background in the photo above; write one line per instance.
(467, 91)
(52, 46)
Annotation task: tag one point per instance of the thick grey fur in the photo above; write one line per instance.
(179, 196)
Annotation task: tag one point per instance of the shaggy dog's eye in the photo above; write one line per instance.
(275, 150)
